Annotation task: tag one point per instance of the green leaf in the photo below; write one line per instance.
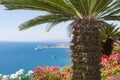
(52, 25)
(110, 31)
(111, 8)
(43, 19)
(112, 18)
(35, 4)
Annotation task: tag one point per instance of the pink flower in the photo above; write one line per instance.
(110, 77)
(67, 75)
(110, 59)
(54, 68)
(104, 62)
(118, 60)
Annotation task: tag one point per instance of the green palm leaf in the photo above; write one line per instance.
(82, 13)
(111, 8)
(63, 5)
(112, 18)
(43, 19)
(37, 4)
(12, 7)
(99, 10)
(110, 31)
(52, 25)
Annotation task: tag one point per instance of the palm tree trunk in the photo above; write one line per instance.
(85, 48)
(107, 47)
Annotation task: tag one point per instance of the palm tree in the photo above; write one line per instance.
(109, 34)
(86, 16)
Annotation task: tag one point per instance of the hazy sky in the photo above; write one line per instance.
(10, 20)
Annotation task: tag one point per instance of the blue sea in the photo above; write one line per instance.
(22, 55)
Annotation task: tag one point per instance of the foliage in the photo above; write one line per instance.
(110, 66)
(17, 76)
(110, 34)
(50, 73)
(110, 31)
(68, 10)
(65, 10)
(116, 48)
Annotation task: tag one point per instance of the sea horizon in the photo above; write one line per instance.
(61, 40)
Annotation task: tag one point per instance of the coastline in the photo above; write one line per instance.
(53, 46)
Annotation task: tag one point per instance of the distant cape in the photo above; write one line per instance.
(53, 46)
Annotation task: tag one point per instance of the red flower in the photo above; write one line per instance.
(115, 65)
(104, 56)
(33, 75)
(110, 59)
(39, 68)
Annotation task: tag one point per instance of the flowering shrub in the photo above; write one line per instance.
(16, 76)
(110, 66)
(51, 73)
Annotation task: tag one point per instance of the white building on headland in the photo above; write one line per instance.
(53, 46)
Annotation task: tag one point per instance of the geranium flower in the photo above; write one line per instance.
(104, 56)
(39, 68)
(118, 60)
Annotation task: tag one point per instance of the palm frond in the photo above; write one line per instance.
(12, 7)
(96, 9)
(82, 6)
(113, 7)
(102, 4)
(99, 10)
(114, 13)
(35, 4)
(63, 5)
(93, 8)
(110, 31)
(43, 19)
(112, 18)
(52, 25)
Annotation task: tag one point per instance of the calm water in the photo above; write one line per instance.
(17, 55)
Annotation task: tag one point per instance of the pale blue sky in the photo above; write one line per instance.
(10, 20)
